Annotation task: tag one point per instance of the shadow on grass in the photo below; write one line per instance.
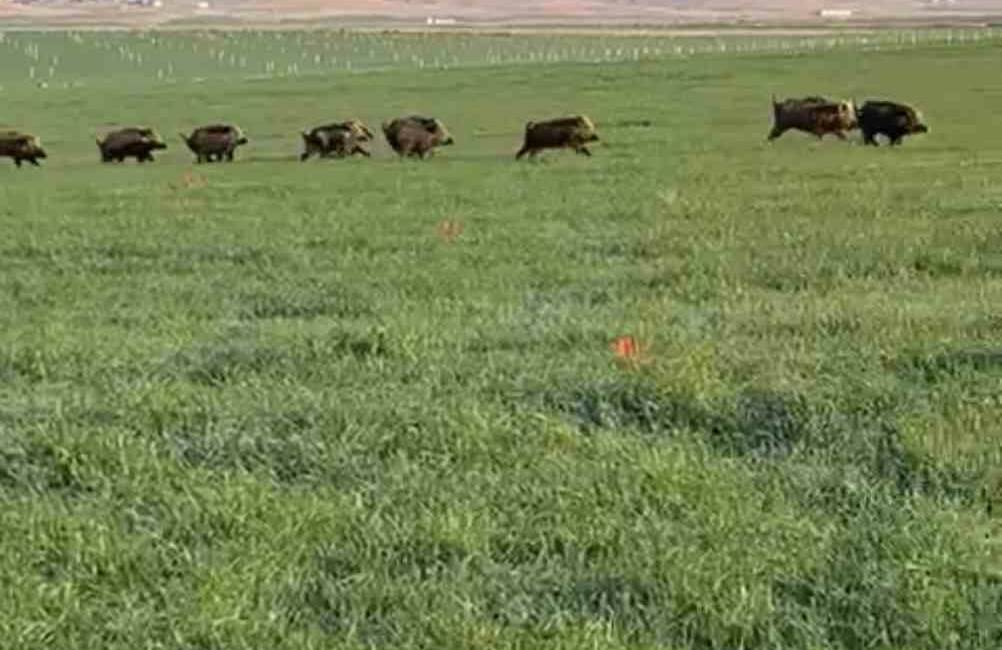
(286, 446)
(304, 301)
(756, 423)
(227, 361)
(30, 465)
(943, 366)
(768, 426)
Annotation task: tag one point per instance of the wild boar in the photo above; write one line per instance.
(20, 147)
(416, 136)
(890, 119)
(215, 142)
(814, 115)
(132, 142)
(562, 133)
(337, 140)
(360, 130)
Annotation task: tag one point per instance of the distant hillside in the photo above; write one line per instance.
(418, 11)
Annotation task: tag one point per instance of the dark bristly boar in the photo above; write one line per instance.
(20, 147)
(337, 140)
(416, 136)
(889, 119)
(132, 142)
(815, 115)
(573, 132)
(215, 142)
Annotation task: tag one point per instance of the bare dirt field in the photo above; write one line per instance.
(805, 13)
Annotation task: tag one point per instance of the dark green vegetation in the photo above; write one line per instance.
(273, 405)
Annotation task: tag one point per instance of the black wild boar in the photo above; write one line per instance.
(416, 136)
(133, 142)
(890, 119)
(566, 132)
(338, 140)
(21, 147)
(814, 115)
(215, 142)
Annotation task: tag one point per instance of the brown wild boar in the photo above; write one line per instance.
(132, 142)
(416, 136)
(562, 133)
(20, 147)
(337, 140)
(215, 142)
(889, 119)
(814, 115)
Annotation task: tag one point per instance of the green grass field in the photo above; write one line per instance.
(270, 405)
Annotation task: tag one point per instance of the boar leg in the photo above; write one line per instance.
(583, 150)
(775, 133)
(358, 149)
(33, 161)
(17, 161)
(524, 150)
(840, 135)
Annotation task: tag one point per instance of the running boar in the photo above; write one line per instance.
(889, 119)
(563, 133)
(133, 142)
(415, 135)
(814, 115)
(338, 140)
(215, 142)
(21, 147)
